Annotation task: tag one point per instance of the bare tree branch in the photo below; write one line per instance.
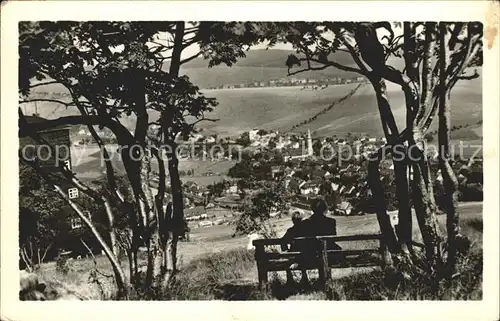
(326, 65)
(94, 260)
(43, 84)
(27, 101)
(204, 119)
(454, 35)
(469, 77)
(190, 58)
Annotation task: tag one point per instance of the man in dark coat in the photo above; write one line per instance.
(318, 224)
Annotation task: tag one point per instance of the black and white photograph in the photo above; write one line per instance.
(249, 160)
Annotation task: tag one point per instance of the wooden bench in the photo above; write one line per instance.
(316, 255)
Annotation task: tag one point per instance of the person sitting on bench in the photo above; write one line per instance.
(318, 224)
(291, 233)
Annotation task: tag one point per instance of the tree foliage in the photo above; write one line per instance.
(255, 217)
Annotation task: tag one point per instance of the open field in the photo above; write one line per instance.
(87, 164)
(281, 108)
(218, 239)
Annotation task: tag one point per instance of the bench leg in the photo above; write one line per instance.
(263, 280)
(289, 277)
(260, 257)
(304, 280)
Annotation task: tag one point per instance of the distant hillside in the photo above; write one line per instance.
(260, 65)
(221, 75)
(274, 58)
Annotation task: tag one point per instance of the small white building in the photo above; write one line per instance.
(233, 189)
(205, 224)
(309, 189)
(344, 208)
(210, 140)
(252, 134)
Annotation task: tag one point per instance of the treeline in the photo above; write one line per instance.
(328, 108)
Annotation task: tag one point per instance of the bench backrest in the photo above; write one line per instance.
(333, 238)
(316, 245)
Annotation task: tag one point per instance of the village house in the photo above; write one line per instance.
(346, 169)
(255, 143)
(58, 136)
(309, 188)
(277, 171)
(219, 155)
(252, 134)
(232, 189)
(341, 142)
(289, 172)
(195, 138)
(344, 208)
(319, 173)
(195, 213)
(205, 224)
(295, 184)
(210, 140)
(274, 212)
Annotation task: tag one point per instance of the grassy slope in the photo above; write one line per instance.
(281, 108)
(212, 243)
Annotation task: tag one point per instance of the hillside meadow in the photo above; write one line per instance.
(281, 108)
(214, 261)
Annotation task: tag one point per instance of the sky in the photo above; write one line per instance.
(193, 49)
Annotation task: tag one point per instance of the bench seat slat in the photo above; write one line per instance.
(330, 253)
(335, 238)
(283, 265)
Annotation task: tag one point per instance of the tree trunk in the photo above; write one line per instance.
(175, 223)
(404, 227)
(380, 204)
(148, 211)
(400, 168)
(170, 258)
(170, 229)
(112, 230)
(450, 182)
(424, 203)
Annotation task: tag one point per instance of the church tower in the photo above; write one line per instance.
(310, 152)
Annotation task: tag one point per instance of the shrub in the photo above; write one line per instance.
(62, 265)
(216, 276)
